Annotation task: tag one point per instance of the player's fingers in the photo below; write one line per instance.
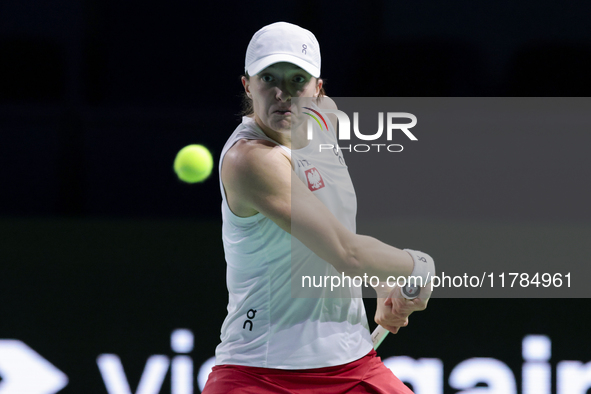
(392, 321)
(392, 329)
(420, 304)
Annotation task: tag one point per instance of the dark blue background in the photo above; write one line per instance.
(96, 97)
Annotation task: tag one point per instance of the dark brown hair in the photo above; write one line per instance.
(247, 108)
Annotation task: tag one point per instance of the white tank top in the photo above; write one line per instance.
(266, 326)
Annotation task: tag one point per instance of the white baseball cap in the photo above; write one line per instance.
(283, 42)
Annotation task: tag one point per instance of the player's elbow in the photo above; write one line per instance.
(352, 267)
(349, 261)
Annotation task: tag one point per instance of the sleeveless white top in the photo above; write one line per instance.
(266, 326)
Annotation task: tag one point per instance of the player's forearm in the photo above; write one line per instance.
(367, 255)
(382, 291)
(317, 228)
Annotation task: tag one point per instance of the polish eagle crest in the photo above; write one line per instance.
(314, 178)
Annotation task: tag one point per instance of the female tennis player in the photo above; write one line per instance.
(289, 211)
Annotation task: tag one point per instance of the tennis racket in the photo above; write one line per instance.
(378, 335)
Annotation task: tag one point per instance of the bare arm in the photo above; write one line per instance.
(258, 177)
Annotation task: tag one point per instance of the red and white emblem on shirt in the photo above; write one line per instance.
(314, 178)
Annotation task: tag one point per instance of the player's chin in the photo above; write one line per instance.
(281, 125)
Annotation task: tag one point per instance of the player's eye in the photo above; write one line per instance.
(299, 79)
(266, 78)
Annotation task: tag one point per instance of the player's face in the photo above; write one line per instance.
(271, 91)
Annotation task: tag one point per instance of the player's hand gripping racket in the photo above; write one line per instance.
(424, 267)
(379, 334)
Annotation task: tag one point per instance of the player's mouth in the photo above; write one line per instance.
(283, 112)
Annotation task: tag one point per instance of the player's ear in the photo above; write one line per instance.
(246, 85)
(319, 83)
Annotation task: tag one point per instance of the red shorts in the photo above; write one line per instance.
(366, 375)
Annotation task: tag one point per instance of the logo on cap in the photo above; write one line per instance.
(304, 47)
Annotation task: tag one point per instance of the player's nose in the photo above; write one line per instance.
(282, 94)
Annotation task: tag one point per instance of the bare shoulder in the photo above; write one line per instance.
(250, 158)
(256, 176)
(325, 102)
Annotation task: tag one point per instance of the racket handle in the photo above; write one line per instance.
(378, 335)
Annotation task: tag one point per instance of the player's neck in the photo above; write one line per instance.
(288, 138)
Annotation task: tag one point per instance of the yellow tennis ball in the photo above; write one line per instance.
(193, 164)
